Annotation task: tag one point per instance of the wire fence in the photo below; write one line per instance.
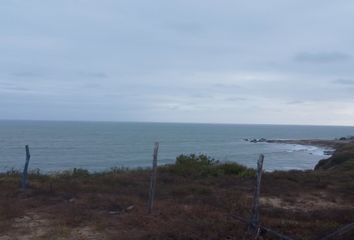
(255, 229)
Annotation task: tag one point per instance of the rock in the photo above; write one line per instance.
(113, 212)
(328, 152)
(258, 140)
(130, 208)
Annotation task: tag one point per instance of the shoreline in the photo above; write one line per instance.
(324, 143)
(328, 146)
(340, 152)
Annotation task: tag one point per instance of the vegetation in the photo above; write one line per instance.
(198, 166)
(194, 200)
(343, 159)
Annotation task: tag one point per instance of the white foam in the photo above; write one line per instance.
(313, 150)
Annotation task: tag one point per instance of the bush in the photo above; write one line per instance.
(203, 166)
(195, 160)
(79, 172)
(232, 168)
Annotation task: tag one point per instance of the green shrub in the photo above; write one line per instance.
(203, 166)
(79, 172)
(195, 160)
(232, 168)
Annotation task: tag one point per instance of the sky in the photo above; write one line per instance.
(225, 61)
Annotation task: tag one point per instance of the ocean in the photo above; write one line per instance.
(99, 146)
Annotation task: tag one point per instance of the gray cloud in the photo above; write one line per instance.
(163, 60)
(226, 86)
(343, 81)
(92, 86)
(187, 28)
(202, 96)
(94, 74)
(236, 99)
(14, 88)
(322, 57)
(27, 74)
(295, 102)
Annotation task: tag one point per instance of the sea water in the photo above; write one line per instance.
(98, 146)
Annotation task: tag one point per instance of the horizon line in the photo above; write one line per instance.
(167, 122)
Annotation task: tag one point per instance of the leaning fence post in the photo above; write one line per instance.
(153, 178)
(255, 208)
(24, 181)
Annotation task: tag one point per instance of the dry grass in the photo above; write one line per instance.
(196, 206)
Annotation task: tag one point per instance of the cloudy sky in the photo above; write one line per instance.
(275, 61)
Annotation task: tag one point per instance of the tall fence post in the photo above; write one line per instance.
(24, 180)
(152, 189)
(254, 224)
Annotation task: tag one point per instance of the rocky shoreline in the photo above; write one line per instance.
(334, 144)
(340, 151)
(328, 143)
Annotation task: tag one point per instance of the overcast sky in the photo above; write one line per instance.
(275, 61)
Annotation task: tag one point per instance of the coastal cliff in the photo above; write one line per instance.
(342, 159)
(341, 151)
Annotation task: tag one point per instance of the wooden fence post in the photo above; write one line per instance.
(254, 223)
(152, 189)
(24, 180)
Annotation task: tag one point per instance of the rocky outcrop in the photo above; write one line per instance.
(342, 158)
(255, 140)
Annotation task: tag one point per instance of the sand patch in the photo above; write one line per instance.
(316, 201)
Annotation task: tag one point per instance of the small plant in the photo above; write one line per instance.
(13, 172)
(36, 172)
(79, 172)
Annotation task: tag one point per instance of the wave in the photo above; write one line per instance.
(314, 150)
